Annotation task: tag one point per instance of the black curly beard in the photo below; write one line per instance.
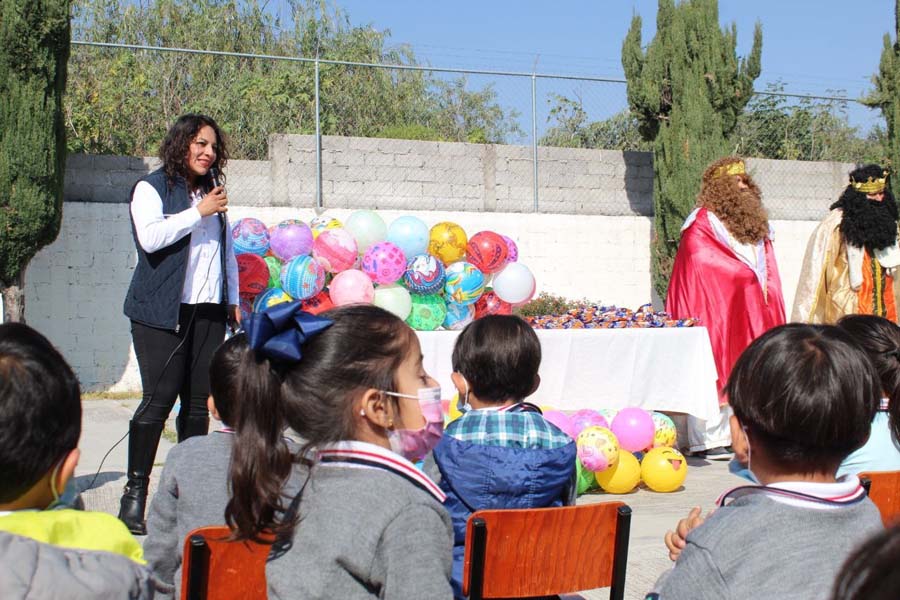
(868, 223)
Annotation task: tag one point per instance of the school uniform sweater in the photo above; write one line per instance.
(766, 546)
(370, 526)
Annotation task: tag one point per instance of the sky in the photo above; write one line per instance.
(812, 46)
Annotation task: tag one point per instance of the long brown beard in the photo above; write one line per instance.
(741, 211)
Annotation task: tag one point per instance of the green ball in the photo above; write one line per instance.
(427, 313)
(274, 271)
(586, 479)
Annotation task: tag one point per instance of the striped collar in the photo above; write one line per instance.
(514, 407)
(846, 491)
(362, 455)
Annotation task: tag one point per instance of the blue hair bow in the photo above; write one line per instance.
(279, 331)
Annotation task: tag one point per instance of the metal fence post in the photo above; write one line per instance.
(320, 206)
(534, 141)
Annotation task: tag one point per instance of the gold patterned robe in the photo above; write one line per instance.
(825, 292)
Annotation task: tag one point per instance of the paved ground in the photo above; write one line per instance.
(106, 421)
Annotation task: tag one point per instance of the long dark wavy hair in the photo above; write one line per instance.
(869, 224)
(880, 338)
(174, 148)
(361, 350)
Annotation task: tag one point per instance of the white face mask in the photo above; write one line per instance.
(465, 406)
(413, 444)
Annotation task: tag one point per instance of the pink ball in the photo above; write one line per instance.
(335, 249)
(634, 428)
(512, 251)
(289, 239)
(384, 262)
(562, 421)
(587, 418)
(350, 287)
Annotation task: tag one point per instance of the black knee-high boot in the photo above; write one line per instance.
(143, 440)
(191, 425)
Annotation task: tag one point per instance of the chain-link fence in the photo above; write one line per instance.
(331, 134)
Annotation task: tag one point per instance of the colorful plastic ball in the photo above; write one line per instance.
(274, 271)
(608, 413)
(394, 299)
(250, 236)
(447, 241)
(458, 316)
(336, 250)
(427, 313)
(453, 411)
(622, 477)
(587, 417)
(514, 283)
(664, 430)
(289, 239)
(487, 251)
(253, 274)
(464, 284)
(318, 303)
(302, 277)
(491, 304)
(585, 479)
(351, 287)
(320, 224)
(424, 275)
(664, 469)
(512, 251)
(598, 448)
(245, 306)
(562, 421)
(384, 262)
(367, 228)
(270, 297)
(410, 234)
(634, 428)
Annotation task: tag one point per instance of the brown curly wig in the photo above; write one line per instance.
(174, 148)
(740, 210)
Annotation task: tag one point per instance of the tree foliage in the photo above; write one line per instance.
(34, 48)
(573, 129)
(886, 97)
(122, 101)
(687, 90)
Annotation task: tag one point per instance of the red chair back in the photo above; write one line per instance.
(545, 551)
(216, 568)
(884, 491)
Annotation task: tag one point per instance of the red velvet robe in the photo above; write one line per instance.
(709, 281)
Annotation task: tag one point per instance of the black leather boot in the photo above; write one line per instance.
(189, 426)
(143, 440)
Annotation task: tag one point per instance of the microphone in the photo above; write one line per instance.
(214, 174)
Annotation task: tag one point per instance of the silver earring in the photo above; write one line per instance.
(362, 412)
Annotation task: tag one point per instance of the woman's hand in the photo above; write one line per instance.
(216, 201)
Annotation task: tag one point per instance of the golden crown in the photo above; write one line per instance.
(870, 185)
(735, 168)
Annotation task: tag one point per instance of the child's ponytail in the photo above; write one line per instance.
(260, 459)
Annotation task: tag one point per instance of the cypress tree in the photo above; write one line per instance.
(34, 50)
(687, 90)
(887, 96)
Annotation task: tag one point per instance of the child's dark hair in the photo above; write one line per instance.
(880, 338)
(175, 146)
(225, 376)
(871, 572)
(499, 355)
(362, 349)
(40, 409)
(807, 393)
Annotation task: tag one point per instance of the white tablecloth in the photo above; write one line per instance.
(669, 369)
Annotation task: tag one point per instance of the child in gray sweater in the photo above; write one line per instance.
(366, 523)
(193, 489)
(803, 398)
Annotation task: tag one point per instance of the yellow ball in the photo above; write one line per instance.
(447, 241)
(664, 469)
(454, 412)
(623, 476)
(320, 224)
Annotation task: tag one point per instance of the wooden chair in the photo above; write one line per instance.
(883, 488)
(545, 551)
(215, 568)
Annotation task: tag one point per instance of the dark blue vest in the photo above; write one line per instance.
(154, 296)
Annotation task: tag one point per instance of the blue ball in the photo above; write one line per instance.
(270, 297)
(303, 277)
(410, 234)
(458, 315)
(250, 236)
(424, 275)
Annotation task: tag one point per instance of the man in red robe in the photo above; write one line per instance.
(725, 274)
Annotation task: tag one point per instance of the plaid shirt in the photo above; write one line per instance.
(516, 426)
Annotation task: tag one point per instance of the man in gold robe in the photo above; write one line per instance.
(851, 258)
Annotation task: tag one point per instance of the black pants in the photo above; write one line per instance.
(176, 365)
